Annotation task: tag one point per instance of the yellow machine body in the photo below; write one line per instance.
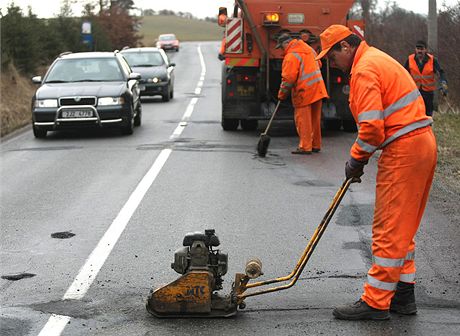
(191, 293)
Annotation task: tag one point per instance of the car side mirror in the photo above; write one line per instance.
(37, 79)
(172, 64)
(134, 76)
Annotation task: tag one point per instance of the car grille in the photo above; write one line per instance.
(77, 100)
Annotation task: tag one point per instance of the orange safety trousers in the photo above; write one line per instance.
(308, 124)
(405, 173)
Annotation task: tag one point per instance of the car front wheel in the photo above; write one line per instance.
(167, 96)
(39, 133)
(138, 117)
(128, 129)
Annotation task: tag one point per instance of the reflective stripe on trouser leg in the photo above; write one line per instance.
(316, 123)
(302, 117)
(405, 172)
(408, 271)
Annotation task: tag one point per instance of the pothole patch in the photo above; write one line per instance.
(313, 183)
(62, 235)
(19, 276)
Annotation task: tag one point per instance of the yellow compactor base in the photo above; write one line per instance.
(190, 296)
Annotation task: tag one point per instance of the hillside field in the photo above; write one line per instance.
(185, 29)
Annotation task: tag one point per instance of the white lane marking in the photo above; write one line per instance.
(97, 258)
(55, 325)
(88, 273)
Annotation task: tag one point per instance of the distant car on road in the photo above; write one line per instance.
(168, 42)
(157, 72)
(87, 89)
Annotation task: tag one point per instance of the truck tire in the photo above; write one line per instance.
(349, 126)
(249, 124)
(230, 124)
(332, 124)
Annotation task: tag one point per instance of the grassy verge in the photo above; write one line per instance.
(185, 29)
(447, 129)
(16, 94)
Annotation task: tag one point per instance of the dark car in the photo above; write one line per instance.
(168, 42)
(157, 72)
(88, 89)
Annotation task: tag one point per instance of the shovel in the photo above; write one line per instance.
(264, 139)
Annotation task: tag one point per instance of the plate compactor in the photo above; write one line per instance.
(195, 293)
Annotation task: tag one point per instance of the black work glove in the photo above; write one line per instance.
(220, 57)
(354, 169)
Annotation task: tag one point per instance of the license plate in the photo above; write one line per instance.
(245, 91)
(142, 87)
(77, 114)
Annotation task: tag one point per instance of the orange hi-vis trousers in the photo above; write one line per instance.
(308, 124)
(405, 173)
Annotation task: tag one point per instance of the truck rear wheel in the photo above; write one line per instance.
(349, 126)
(249, 125)
(332, 125)
(230, 124)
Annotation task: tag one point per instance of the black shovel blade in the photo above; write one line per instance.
(262, 145)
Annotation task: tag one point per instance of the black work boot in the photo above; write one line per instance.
(360, 310)
(403, 302)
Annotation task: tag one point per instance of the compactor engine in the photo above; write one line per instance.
(198, 254)
(195, 292)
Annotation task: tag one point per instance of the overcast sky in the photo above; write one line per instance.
(199, 8)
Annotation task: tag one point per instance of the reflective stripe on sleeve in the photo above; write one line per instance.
(370, 115)
(407, 129)
(286, 84)
(407, 277)
(388, 262)
(365, 146)
(410, 255)
(391, 286)
(402, 102)
(308, 75)
(319, 79)
(284, 90)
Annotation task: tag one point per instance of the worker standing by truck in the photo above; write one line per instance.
(423, 66)
(387, 106)
(301, 77)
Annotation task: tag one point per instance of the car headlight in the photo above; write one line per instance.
(104, 101)
(46, 103)
(154, 80)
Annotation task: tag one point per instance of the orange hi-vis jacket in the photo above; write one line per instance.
(425, 80)
(301, 75)
(384, 101)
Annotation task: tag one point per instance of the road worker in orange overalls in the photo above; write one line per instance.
(390, 112)
(423, 66)
(301, 77)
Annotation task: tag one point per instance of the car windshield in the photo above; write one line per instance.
(85, 70)
(167, 37)
(144, 59)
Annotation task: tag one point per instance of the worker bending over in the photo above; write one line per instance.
(301, 77)
(388, 107)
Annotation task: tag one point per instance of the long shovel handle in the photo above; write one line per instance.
(241, 295)
(272, 117)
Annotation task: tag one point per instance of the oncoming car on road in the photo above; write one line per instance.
(168, 42)
(157, 72)
(87, 89)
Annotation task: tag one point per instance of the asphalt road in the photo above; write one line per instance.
(121, 205)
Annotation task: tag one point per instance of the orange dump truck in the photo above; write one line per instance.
(251, 72)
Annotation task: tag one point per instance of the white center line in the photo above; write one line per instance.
(93, 264)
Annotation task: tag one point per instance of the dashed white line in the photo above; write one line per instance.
(93, 264)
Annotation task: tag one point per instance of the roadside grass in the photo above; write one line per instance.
(184, 29)
(446, 127)
(16, 92)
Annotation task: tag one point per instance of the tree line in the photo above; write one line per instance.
(30, 42)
